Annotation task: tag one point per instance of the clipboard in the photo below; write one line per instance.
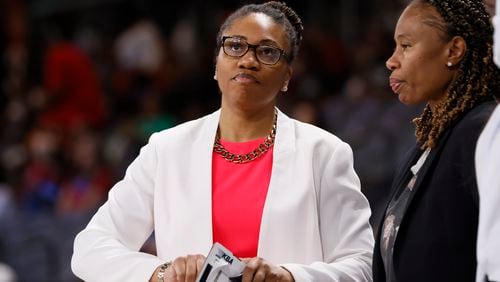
(221, 266)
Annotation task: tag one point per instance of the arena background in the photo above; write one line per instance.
(148, 65)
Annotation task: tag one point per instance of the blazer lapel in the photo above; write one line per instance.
(202, 179)
(422, 173)
(404, 175)
(281, 178)
(400, 181)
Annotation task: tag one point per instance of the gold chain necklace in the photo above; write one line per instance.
(248, 157)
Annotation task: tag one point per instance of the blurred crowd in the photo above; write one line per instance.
(83, 84)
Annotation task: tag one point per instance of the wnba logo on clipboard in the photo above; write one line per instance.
(221, 266)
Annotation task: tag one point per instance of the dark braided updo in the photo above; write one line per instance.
(280, 13)
(478, 77)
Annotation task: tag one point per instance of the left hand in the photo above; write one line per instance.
(258, 269)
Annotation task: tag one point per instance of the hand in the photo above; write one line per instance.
(258, 269)
(182, 269)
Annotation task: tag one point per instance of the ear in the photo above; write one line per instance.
(456, 50)
(288, 74)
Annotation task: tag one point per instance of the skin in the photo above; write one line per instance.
(490, 7)
(419, 71)
(249, 90)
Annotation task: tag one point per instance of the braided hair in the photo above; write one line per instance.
(477, 78)
(280, 13)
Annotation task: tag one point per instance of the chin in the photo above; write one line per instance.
(408, 101)
(404, 100)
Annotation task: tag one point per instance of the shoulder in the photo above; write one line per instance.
(459, 142)
(308, 135)
(312, 132)
(470, 125)
(477, 116)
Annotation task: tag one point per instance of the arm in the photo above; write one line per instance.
(108, 248)
(346, 235)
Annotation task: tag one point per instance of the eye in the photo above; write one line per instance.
(234, 46)
(268, 51)
(405, 46)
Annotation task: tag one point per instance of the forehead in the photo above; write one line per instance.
(490, 6)
(257, 27)
(414, 21)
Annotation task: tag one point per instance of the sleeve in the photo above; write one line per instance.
(346, 235)
(108, 248)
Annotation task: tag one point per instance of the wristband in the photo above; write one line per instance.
(163, 268)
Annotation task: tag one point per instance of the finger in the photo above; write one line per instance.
(263, 270)
(272, 276)
(190, 268)
(179, 266)
(200, 259)
(250, 269)
(259, 276)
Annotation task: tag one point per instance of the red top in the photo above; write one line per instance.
(238, 195)
(73, 85)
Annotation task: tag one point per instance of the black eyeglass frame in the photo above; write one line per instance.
(254, 48)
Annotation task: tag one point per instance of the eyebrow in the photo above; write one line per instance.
(403, 36)
(263, 41)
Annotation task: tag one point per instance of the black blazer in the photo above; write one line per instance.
(436, 240)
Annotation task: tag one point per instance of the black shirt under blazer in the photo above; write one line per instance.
(436, 240)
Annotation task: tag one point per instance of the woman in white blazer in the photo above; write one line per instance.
(280, 194)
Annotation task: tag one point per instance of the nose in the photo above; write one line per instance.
(249, 60)
(392, 62)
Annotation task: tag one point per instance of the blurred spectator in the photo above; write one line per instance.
(121, 146)
(140, 48)
(74, 96)
(87, 179)
(377, 127)
(15, 65)
(151, 118)
(140, 56)
(40, 183)
(305, 111)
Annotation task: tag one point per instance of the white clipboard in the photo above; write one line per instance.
(221, 266)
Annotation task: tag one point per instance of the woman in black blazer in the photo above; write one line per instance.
(442, 58)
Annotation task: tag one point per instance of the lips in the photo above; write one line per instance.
(245, 78)
(395, 84)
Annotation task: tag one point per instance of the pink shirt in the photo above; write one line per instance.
(238, 196)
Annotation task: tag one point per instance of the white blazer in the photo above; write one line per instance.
(314, 223)
(488, 183)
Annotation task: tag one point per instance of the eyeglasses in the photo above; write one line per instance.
(238, 47)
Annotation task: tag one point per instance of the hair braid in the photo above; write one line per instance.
(477, 76)
(292, 17)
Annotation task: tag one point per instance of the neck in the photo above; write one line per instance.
(237, 126)
(439, 99)
(434, 104)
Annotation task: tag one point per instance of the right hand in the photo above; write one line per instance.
(182, 269)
